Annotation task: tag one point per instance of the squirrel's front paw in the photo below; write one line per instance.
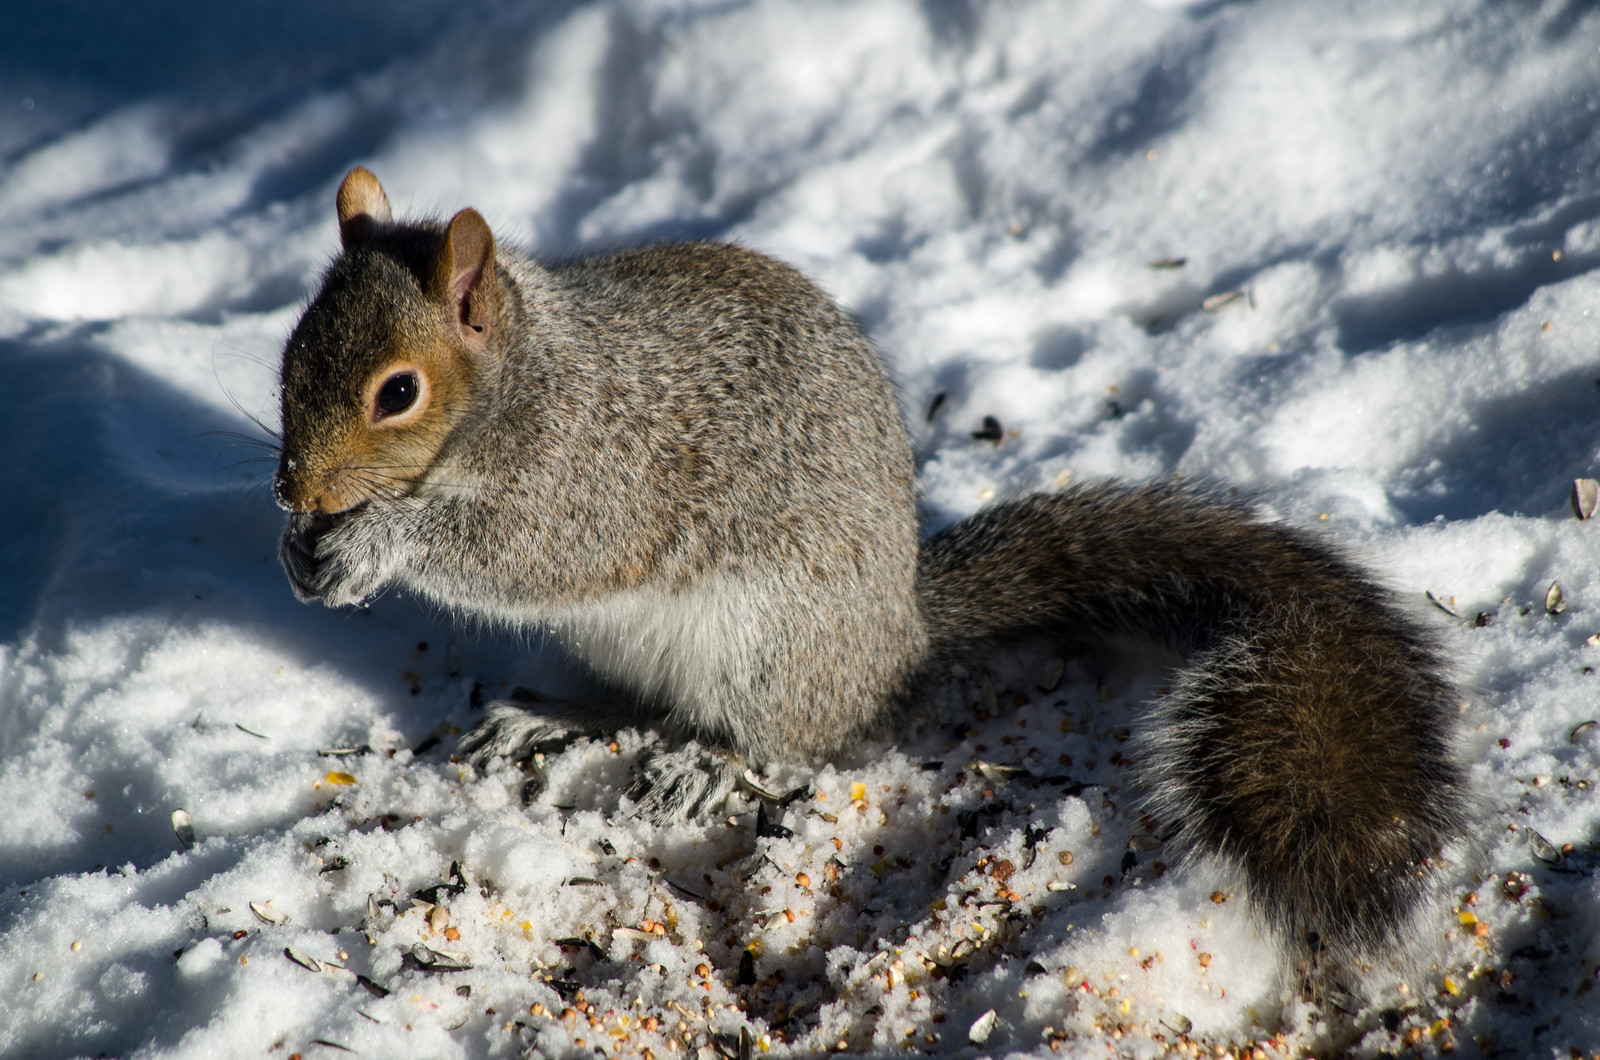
(325, 565)
(682, 783)
(297, 551)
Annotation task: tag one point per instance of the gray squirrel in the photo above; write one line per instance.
(688, 464)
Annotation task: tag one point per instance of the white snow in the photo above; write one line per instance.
(1385, 327)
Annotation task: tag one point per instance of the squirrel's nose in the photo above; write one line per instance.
(288, 497)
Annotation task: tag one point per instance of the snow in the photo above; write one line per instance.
(1406, 200)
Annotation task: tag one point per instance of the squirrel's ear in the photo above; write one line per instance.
(361, 203)
(463, 275)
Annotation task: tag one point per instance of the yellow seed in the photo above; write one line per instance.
(1450, 987)
(1466, 918)
(341, 779)
(858, 791)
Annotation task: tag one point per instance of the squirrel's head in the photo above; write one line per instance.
(389, 356)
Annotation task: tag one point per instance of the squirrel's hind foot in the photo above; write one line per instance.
(515, 729)
(681, 783)
(528, 723)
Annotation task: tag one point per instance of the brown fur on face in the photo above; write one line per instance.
(412, 298)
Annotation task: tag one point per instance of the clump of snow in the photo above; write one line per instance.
(1341, 255)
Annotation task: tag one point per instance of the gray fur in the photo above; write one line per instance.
(688, 464)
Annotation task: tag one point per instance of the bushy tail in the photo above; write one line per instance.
(1309, 742)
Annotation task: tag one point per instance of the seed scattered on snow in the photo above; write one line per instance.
(981, 1028)
(1221, 301)
(628, 934)
(1585, 496)
(756, 789)
(1581, 730)
(1543, 849)
(1555, 599)
(267, 915)
(183, 827)
(681, 889)
(309, 963)
(1050, 675)
(339, 779)
(1440, 604)
(439, 960)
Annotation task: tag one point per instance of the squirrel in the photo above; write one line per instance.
(688, 464)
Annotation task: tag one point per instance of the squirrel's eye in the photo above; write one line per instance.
(398, 393)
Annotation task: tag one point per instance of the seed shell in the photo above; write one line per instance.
(268, 916)
(981, 1028)
(309, 963)
(1585, 496)
(183, 827)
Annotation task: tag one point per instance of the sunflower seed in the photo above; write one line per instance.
(1440, 604)
(183, 827)
(310, 964)
(1543, 849)
(981, 1028)
(757, 790)
(1555, 599)
(440, 960)
(1050, 676)
(1585, 495)
(268, 916)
